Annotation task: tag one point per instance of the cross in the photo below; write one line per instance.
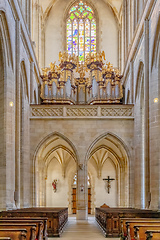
(108, 182)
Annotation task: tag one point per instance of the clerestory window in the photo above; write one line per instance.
(81, 30)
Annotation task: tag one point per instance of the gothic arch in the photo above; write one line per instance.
(88, 2)
(108, 134)
(48, 9)
(114, 11)
(50, 136)
(119, 150)
(6, 71)
(49, 148)
(2, 123)
(108, 3)
(6, 39)
(156, 45)
(24, 79)
(107, 149)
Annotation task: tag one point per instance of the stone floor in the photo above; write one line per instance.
(82, 229)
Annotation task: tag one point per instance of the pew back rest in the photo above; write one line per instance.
(130, 226)
(14, 234)
(139, 230)
(152, 234)
(41, 222)
(38, 223)
(31, 228)
(5, 238)
(134, 221)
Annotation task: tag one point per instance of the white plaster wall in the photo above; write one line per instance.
(60, 197)
(101, 192)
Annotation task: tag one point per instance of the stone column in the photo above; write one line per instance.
(82, 192)
(31, 82)
(119, 49)
(124, 32)
(159, 128)
(42, 63)
(29, 12)
(132, 18)
(17, 120)
(35, 29)
(132, 82)
(129, 21)
(146, 114)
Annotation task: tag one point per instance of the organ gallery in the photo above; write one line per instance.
(74, 82)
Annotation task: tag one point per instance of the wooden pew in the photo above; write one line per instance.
(31, 228)
(41, 233)
(139, 230)
(14, 234)
(5, 238)
(109, 219)
(57, 217)
(152, 235)
(127, 225)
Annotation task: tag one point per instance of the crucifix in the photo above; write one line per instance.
(108, 181)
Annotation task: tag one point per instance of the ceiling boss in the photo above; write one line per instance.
(73, 82)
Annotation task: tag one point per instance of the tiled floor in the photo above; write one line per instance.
(82, 229)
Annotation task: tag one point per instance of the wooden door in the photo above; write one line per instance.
(89, 201)
(74, 200)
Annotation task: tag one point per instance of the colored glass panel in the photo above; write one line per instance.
(93, 36)
(81, 9)
(89, 9)
(69, 46)
(75, 37)
(73, 9)
(81, 3)
(90, 16)
(85, 14)
(81, 40)
(93, 44)
(77, 14)
(93, 33)
(93, 29)
(81, 31)
(87, 37)
(69, 36)
(72, 16)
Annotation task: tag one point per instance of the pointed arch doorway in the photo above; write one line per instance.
(55, 160)
(109, 156)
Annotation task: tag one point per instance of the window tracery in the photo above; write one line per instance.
(75, 180)
(81, 30)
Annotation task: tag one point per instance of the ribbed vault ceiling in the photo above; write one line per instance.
(48, 4)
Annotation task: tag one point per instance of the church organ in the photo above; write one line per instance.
(89, 82)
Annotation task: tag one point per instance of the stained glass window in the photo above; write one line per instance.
(81, 30)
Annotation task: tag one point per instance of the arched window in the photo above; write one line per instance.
(81, 30)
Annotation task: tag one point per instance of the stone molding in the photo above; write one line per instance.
(68, 112)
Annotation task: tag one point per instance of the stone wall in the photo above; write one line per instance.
(17, 57)
(85, 133)
(141, 79)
